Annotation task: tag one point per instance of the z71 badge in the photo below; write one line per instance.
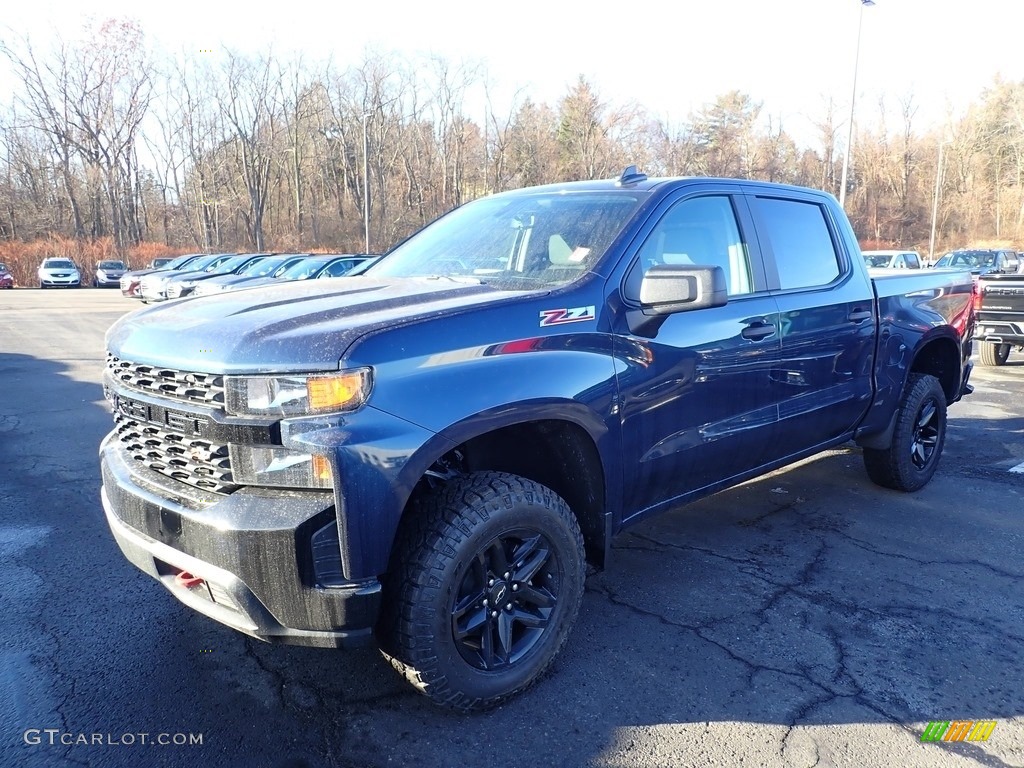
(561, 316)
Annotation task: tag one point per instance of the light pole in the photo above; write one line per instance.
(935, 204)
(853, 99)
(366, 185)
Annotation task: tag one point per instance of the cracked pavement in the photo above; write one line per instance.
(807, 618)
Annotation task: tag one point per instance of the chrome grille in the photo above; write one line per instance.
(188, 459)
(187, 386)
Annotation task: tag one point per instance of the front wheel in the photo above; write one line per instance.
(913, 455)
(993, 354)
(485, 585)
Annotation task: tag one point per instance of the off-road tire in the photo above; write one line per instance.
(993, 354)
(466, 643)
(913, 455)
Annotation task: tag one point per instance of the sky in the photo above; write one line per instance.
(792, 56)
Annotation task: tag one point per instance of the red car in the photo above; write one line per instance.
(6, 278)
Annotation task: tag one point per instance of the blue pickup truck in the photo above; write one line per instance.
(430, 454)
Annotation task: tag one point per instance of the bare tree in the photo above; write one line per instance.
(253, 113)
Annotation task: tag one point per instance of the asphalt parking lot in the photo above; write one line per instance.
(808, 618)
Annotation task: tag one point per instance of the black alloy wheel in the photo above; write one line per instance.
(926, 434)
(485, 583)
(912, 456)
(505, 600)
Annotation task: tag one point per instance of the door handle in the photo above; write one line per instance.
(757, 331)
(859, 315)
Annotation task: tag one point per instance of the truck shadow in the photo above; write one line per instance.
(806, 598)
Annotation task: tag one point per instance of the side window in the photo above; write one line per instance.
(699, 231)
(912, 261)
(805, 255)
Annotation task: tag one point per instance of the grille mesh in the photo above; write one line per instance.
(188, 459)
(186, 386)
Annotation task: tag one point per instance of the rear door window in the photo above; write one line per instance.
(800, 240)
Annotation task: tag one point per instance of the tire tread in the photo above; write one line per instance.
(444, 520)
(891, 467)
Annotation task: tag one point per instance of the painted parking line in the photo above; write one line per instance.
(1018, 469)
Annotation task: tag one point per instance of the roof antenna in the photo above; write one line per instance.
(631, 176)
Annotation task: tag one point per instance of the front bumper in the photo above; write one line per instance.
(245, 560)
(59, 282)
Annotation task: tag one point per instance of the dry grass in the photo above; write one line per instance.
(22, 258)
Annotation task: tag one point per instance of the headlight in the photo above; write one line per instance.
(297, 395)
(174, 290)
(276, 466)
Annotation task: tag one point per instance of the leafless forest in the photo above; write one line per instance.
(107, 147)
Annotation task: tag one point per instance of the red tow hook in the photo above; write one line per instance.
(187, 580)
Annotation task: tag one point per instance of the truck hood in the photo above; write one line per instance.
(296, 327)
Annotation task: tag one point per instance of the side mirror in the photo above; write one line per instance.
(671, 288)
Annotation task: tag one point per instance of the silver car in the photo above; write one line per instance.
(108, 274)
(59, 272)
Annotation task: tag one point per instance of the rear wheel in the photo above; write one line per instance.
(485, 585)
(993, 354)
(913, 455)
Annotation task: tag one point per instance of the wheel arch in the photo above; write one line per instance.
(937, 355)
(940, 357)
(549, 448)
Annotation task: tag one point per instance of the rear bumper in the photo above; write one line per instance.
(248, 556)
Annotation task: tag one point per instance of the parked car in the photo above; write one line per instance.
(981, 261)
(153, 287)
(269, 267)
(892, 259)
(131, 282)
(108, 274)
(58, 272)
(431, 453)
(314, 267)
(180, 287)
(6, 278)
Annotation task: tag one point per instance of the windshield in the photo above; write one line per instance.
(516, 241)
(111, 265)
(969, 259)
(181, 261)
(228, 265)
(201, 265)
(263, 267)
(58, 264)
(303, 270)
